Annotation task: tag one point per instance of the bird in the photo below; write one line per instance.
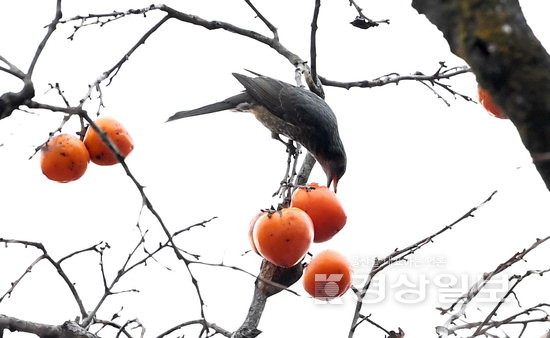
(291, 111)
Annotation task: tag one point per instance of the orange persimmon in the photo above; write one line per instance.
(64, 158)
(283, 237)
(251, 231)
(487, 102)
(99, 151)
(324, 208)
(328, 275)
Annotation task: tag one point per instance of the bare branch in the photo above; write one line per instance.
(313, 43)
(16, 282)
(272, 283)
(12, 69)
(113, 71)
(367, 319)
(103, 19)
(362, 21)
(476, 288)
(91, 248)
(202, 322)
(269, 25)
(66, 330)
(510, 320)
(51, 29)
(481, 328)
(401, 254)
(56, 265)
(212, 25)
(110, 323)
(396, 78)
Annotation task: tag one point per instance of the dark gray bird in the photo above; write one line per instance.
(290, 111)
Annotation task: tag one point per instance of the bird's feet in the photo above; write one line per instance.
(286, 184)
(291, 149)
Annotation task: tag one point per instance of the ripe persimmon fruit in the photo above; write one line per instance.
(251, 231)
(99, 151)
(324, 208)
(283, 237)
(487, 102)
(64, 158)
(328, 275)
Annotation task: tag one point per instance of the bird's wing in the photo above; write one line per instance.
(294, 105)
(264, 90)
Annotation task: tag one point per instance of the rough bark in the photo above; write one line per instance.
(283, 277)
(493, 37)
(66, 330)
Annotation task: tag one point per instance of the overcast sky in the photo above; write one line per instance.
(415, 165)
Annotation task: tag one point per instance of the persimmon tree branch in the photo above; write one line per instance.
(432, 81)
(68, 329)
(202, 322)
(10, 101)
(362, 21)
(71, 111)
(313, 44)
(56, 264)
(11, 69)
(399, 255)
(109, 74)
(130, 263)
(51, 28)
(271, 279)
(269, 25)
(482, 329)
(447, 328)
(507, 59)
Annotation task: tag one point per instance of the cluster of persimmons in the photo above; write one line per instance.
(283, 237)
(65, 157)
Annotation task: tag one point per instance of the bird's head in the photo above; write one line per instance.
(335, 167)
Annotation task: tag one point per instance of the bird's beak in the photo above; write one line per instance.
(333, 180)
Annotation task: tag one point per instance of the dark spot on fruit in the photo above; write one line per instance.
(63, 153)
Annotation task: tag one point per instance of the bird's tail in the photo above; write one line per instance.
(229, 103)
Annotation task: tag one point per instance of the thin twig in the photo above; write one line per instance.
(477, 287)
(313, 43)
(396, 78)
(55, 264)
(51, 28)
(401, 254)
(202, 322)
(269, 25)
(366, 22)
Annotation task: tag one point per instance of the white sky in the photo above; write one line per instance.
(414, 166)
